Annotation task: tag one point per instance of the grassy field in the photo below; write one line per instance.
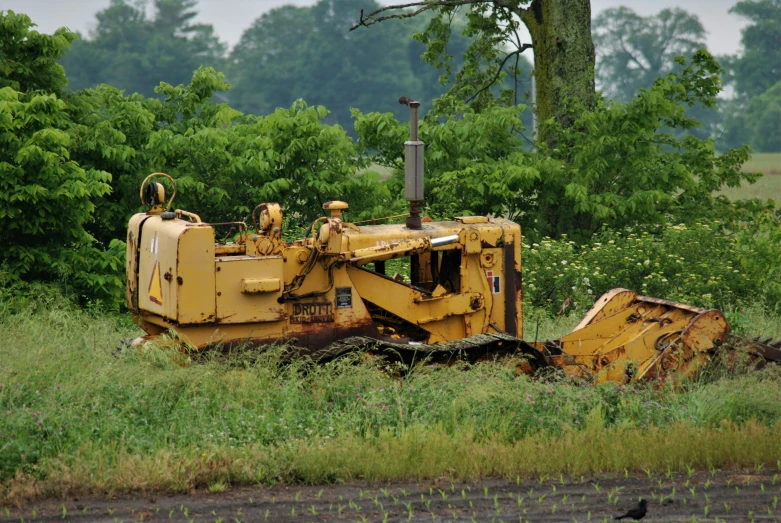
(765, 163)
(767, 187)
(75, 419)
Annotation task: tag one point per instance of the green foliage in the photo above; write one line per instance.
(47, 198)
(134, 53)
(700, 264)
(756, 121)
(307, 52)
(226, 163)
(617, 164)
(28, 61)
(756, 70)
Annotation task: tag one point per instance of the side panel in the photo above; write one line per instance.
(235, 306)
(193, 276)
(157, 259)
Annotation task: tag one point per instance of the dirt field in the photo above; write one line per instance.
(703, 496)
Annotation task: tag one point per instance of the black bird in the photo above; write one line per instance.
(637, 512)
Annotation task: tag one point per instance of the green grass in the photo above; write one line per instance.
(765, 163)
(76, 419)
(767, 187)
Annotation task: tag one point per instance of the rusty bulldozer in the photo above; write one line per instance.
(330, 292)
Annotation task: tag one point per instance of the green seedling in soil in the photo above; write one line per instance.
(542, 479)
(427, 503)
(727, 508)
(707, 483)
(485, 492)
(690, 470)
(496, 500)
(707, 499)
(362, 493)
(659, 481)
(647, 473)
(541, 499)
(293, 512)
(729, 482)
(553, 509)
(759, 467)
(313, 510)
(583, 498)
(669, 472)
(384, 492)
(452, 487)
(775, 502)
(403, 492)
(517, 480)
(318, 496)
(775, 478)
(340, 509)
(706, 510)
(554, 489)
(596, 487)
(694, 494)
(463, 494)
(762, 487)
(564, 498)
(561, 479)
(64, 512)
(769, 512)
(520, 500)
(170, 514)
(444, 494)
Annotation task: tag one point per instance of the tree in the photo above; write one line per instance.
(307, 52)
(759, 67)
(134, 53)
(614, 165)
(756, 121)
(561, 38)
(46, 198)
(633, 51)
(226, 162)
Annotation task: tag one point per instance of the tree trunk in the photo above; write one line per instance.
(563, 55)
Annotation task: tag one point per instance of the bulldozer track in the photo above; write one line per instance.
(481, 347)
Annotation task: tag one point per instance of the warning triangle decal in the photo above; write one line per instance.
(156, 286)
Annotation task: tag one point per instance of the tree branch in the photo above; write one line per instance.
(499, 71)
(425, 5)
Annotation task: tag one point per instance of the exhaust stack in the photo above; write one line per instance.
(413, 166)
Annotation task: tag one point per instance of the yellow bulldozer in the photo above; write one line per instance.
(331, 292)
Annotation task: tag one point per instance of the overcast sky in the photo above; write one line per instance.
(231, 17)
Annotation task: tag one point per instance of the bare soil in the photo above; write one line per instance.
(701, 496)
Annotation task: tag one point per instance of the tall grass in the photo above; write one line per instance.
(76, 418)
